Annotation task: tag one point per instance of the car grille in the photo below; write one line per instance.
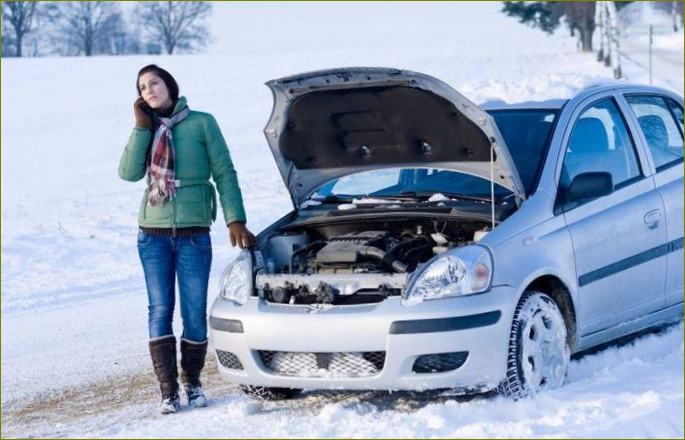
(229, 360)
(304, 364)
(439, 362)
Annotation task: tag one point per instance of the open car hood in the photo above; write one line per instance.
(331, 123)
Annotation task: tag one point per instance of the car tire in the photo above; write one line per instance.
(269, 393)
(539, 353)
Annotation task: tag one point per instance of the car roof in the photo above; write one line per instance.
(551, 104)
(558, 103)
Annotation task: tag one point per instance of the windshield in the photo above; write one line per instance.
(526, 133)
(409, 182)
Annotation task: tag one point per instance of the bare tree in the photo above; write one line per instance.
(614, 51)
(601, 28)
(134, 43)
(113, 38)
(581, 16)
(606, 33)
(45, 38)
(88, 26)
(7, 44)
(175, 24)
(19, 14)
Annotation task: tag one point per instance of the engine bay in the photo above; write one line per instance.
(353, 263)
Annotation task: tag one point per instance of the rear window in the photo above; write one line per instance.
(527, 134)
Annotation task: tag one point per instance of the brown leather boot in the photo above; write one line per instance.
(192, 361)
(163, 354)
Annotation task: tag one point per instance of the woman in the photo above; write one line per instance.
(179, 149)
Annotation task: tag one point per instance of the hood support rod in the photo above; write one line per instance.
(492, 184)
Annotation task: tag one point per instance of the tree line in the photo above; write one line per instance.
(583, 18)
(580, 17)
(37, 28)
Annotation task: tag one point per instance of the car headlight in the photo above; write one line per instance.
(236, 281)
(464, 271)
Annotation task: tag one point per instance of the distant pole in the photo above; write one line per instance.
(674, 14)
(651, 42)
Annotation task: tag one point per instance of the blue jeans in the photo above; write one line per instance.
(164, 259)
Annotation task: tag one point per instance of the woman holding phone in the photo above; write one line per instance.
(178, 150)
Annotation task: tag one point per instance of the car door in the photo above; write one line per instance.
(661, 121)
(613, 236)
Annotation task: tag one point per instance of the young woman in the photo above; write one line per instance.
(179, 149)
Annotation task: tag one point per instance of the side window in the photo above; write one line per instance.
(600, 142)
(660, 128)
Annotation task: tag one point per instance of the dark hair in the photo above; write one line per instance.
(164, 75)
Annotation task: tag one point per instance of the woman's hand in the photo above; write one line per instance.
(239, 235)
(140, 110)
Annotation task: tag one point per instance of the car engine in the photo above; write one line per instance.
(341, 265)
(364, 252)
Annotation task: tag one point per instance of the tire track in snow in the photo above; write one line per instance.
(589, 405)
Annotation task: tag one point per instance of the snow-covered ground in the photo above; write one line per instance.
(667, 46)
(74, 349)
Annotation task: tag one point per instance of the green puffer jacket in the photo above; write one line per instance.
(200, 151)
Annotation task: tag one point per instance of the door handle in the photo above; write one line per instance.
(652, 218)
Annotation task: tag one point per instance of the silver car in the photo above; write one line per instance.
(440, 244)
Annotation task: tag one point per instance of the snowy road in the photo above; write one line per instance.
(634, 389)
(74, 349)
(667, 46)
(666, 59)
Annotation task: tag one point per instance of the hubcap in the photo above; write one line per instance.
(544, 351)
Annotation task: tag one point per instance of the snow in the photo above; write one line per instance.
(73, 297)
(367, 201)
(347, 206)
(667, 47)
(622, 392)
(438, 197)
(308, 203)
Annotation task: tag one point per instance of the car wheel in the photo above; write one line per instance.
(269, 393)
(539, 353)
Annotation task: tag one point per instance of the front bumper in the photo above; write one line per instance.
(477, 324)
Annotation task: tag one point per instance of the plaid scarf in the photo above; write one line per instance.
(160, 169)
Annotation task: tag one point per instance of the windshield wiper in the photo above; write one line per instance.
(332, 198)
(402, 197)
(428, 194)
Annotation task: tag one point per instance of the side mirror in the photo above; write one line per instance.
(589, 186)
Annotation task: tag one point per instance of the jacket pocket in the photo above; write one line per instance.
(192, 206)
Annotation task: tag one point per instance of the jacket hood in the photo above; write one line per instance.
(332, 123)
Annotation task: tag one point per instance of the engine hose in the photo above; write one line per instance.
(408, 248)
(380, 255)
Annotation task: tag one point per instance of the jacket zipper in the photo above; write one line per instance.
(173, 217)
